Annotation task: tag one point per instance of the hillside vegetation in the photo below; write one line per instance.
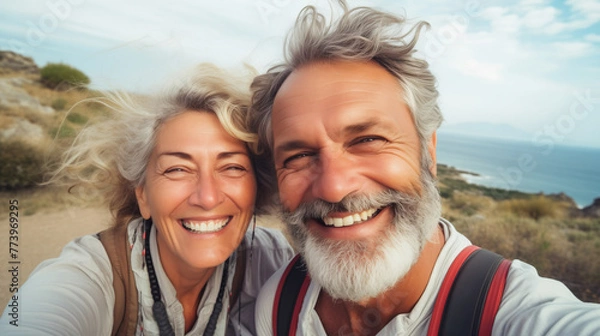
(36, 121)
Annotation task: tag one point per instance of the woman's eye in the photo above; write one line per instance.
(175, 171)
(239, 168)
(235, 170)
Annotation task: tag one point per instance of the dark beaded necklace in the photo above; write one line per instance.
(158, 308)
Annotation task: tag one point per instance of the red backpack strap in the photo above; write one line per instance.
(470, 295)
(289, 296)
(494, 297)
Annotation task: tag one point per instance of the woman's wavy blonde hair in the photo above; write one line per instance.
(110, 156)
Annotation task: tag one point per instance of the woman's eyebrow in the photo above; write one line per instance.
(186, 156)
(225, 155)
(181, 155)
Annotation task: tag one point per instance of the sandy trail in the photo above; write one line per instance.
(42, 236)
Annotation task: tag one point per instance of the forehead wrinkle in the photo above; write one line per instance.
(314, 90)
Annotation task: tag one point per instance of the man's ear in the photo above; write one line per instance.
(431, 148)
(140, 195)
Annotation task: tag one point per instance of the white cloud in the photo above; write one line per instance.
(592, 37)
(571, 49)
(502, 20)
(484, 70)
(527, 3)
(540, 17)
(589, 9)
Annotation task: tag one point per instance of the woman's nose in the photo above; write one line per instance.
(206, 193)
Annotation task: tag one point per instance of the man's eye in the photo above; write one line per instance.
(368, 139)
(297, 161)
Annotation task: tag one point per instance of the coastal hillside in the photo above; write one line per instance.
(548, 231)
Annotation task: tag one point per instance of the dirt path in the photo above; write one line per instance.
(42, 236)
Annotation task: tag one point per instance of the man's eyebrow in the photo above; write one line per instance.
(290, 146)
(359, 127)
(346, 131)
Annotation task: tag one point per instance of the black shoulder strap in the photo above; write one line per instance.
(470, 294)
(289, 296)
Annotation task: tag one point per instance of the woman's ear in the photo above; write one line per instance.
(140, 195)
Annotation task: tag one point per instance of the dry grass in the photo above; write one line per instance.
(535, 208)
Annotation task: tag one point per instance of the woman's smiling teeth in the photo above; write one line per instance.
(208, 226)
(350, 220)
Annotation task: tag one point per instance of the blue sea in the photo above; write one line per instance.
(524, 166)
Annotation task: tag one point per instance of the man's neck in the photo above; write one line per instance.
(370, 316)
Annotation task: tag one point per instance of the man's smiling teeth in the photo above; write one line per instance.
(205, 226)
(350, 219)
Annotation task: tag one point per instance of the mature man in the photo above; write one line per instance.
(349, 121)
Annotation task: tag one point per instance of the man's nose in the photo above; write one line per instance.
(335, 177)
(206, 192)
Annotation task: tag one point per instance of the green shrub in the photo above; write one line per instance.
(77, 118)
(20, 165)
(59, 104)
(59, 76)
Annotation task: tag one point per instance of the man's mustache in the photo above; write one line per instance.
(318, 208)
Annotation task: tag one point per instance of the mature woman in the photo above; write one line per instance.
(179, 178)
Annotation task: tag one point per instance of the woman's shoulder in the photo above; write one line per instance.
(86, 253)
(270, 250)
(269, 239)
(78, 281)
(83, 260)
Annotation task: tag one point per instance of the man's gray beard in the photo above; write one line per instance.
(358, 270)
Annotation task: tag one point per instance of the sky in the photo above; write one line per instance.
(531, 64)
